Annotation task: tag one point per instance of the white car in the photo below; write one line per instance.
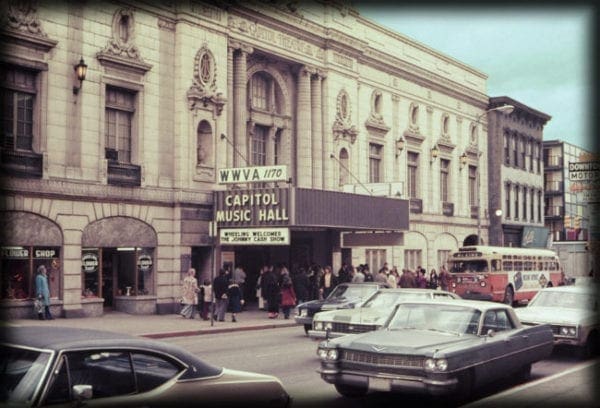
(371, 315)
(572, 311)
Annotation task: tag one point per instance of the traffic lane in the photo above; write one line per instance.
(291, 356)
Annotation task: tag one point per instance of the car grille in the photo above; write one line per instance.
(377, 359)
(352, 328)
(555, 329)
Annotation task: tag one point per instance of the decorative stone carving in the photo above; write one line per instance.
(121, 50)
(342, 126)
(20, 23)
(203, 93)
(375, 122)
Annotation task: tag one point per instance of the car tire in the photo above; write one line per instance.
(351, 391)
(307, 327)
(509, 296)
(464, 389)
(591, 346)
(524, 373)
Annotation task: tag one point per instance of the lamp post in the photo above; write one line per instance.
(506, 109)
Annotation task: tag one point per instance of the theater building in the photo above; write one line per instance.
(121, 124)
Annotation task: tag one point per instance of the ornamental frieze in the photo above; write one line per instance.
(275, 38)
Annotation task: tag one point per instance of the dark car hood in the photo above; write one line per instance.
(407, 341)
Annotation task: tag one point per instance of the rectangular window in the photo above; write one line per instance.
(18, 271)
(412, 258)
(515, 159)
(442, 257)
(444, 180)
(413, 174)
(537, 158)
(18, 88)
(507, 149)
(375, 151)
(530, 155)
(517, 204)
(472, 185)
(375, 259)
(523, 163)
(258, 140)
(277, 148)
(541, 208)
(260, 89)
(120, 108)
(532, 206)
(507, 200)
(525, 203)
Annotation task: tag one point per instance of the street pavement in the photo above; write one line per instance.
(575, 387)
(163, 326)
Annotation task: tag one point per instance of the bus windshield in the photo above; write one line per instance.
(476, 265)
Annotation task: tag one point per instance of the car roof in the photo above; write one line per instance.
(56, 338)
(475, 304)
(589, 289)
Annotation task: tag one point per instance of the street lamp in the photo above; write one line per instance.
(508, 110)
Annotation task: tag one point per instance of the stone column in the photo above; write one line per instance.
(271, 146)
(240, 108)
(317, 131)
(303, 130)
(230, 115)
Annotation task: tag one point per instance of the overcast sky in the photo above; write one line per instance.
(539, 56)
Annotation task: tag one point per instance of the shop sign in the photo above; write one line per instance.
(89, 262)
(248, 208)
(44, 253)
(255, 236)
(584, 171)
(144, 262)
(259, 174)
(14, 252)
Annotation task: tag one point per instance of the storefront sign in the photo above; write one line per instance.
(255, 236)
(258, 174)
(584, 171)
(14, 252)
(89, 262)
(252, 208)
(535, 237)
(144, 262)
(44, 253)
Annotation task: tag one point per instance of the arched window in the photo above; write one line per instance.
(343, 171)
(204, 144)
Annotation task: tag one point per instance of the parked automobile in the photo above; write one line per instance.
(435, 347)
(572, 312)
(371, 315)
(62, 366)
(343, 296)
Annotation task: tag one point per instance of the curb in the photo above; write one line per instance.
(165, 335)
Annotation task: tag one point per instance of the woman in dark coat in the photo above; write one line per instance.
(234, 294)
(270, 288)
(301, 285)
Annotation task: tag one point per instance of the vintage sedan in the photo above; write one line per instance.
(571, 311)
(343, 296)
(62, 366)
(371, 315)
(439, 348)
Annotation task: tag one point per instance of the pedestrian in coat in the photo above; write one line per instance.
(444, 278)
(288, 296)
(433, 279)
(206, 290)
(43, 292)
(234, 294)
(220, 285)
(189, 294)
(271, 292)
(407, 279)
(327, 282)
(421, 280)
(301, 285)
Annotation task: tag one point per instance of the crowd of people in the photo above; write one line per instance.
(279, 290)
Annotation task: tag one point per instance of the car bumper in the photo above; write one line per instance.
(321, 334)
(477, 296)
(390, 383)
(563, 341)
(303, 319)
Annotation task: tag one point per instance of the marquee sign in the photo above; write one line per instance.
(255, 236)
(259, 174)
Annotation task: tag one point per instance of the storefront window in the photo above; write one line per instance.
(18, 268)
(90, 272)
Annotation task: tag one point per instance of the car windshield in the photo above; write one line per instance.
(344, 291)
(581, 301)
(20, 373)
(383, 299)
(442, 317)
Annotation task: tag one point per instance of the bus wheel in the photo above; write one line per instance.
(509, 296)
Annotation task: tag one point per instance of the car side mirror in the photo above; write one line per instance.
(82, 392)
(491, 333)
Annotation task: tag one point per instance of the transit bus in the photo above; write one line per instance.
(502, 274)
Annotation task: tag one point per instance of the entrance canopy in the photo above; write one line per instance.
(300, 207)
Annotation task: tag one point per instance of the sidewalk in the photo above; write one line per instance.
(163, 326)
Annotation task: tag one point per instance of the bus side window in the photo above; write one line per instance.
(508, 266)
(495, 265)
